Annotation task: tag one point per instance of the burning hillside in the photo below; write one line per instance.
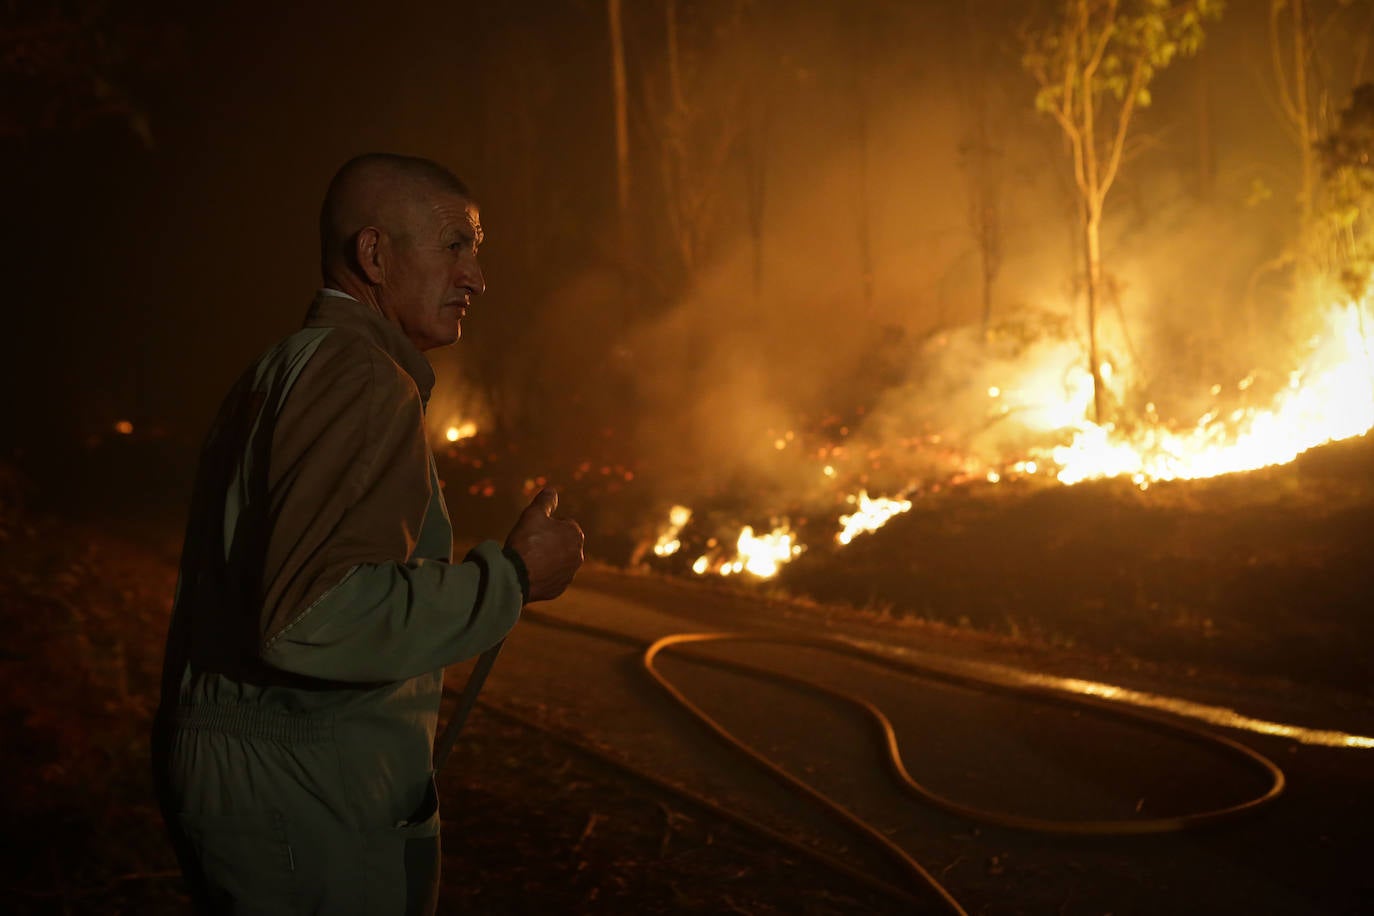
(1035, 427)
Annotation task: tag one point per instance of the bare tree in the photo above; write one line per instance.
(863, 203)
(760, 87)
(697, 112)
(1300, 33)
(1206, 143)
(1346, 157)
(622, 144)
(1303, 97)
(981, 160)
(1347, 160)
(1094, 61)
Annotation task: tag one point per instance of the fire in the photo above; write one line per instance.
(668, 543)
(763, 555)
(760, 555)
(872, 514)
(1330, 398)
(464, 430)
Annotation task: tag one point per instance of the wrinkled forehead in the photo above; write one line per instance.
(449, 212)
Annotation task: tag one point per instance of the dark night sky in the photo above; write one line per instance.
(148, 278)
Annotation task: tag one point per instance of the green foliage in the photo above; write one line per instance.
(1094, 61)
(1345, 218)
(1109, 46)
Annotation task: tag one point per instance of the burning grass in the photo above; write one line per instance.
(1264, 573)
(1267, 572)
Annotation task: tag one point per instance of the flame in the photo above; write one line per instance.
(465, 430)
(668, 543)
(1329, 399)
(763, 555)
(124, 428)
(760, 555)
(871, 515)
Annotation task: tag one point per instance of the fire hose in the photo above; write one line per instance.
(449, 736)
(903, 859)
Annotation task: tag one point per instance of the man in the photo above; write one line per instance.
(317, 603)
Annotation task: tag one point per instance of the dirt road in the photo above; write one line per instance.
(534, 821)
(1302, 854)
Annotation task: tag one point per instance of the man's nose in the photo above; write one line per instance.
(472, 278)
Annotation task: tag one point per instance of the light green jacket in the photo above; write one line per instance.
(317, 603)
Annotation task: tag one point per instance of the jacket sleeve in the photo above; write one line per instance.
(343, 596)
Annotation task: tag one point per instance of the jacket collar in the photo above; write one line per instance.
(338, 311)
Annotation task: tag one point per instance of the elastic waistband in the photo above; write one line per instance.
(253, 722)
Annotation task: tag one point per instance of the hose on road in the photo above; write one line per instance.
(903, 859)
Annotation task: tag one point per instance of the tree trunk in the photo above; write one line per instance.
(676, 151)
(861, 50)
(755, 183)
(1307, 135)
(989, 275)
(1206, 149)
(862, 216)
(980, 172)
(622, 148)
(1092, 221)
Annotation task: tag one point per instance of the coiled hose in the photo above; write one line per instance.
(1127, 827)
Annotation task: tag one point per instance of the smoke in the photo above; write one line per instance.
(861, 356)
(908, 382)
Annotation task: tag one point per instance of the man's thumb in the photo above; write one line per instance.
(547, 500)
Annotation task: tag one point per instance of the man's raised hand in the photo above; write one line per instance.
(551, 547)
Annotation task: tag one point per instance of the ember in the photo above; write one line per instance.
(465, 430)
(668, 543)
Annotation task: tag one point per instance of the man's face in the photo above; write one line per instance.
(433, 275)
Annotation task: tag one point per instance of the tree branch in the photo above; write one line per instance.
(1123, 121)
(1290, 108)
(1096, 60)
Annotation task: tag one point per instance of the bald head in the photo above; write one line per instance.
(384, 190)
(401, 234)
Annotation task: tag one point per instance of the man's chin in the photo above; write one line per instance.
(447, 339)
(452, 333)
(450, 330)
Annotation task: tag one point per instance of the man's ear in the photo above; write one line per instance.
(368, 247)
